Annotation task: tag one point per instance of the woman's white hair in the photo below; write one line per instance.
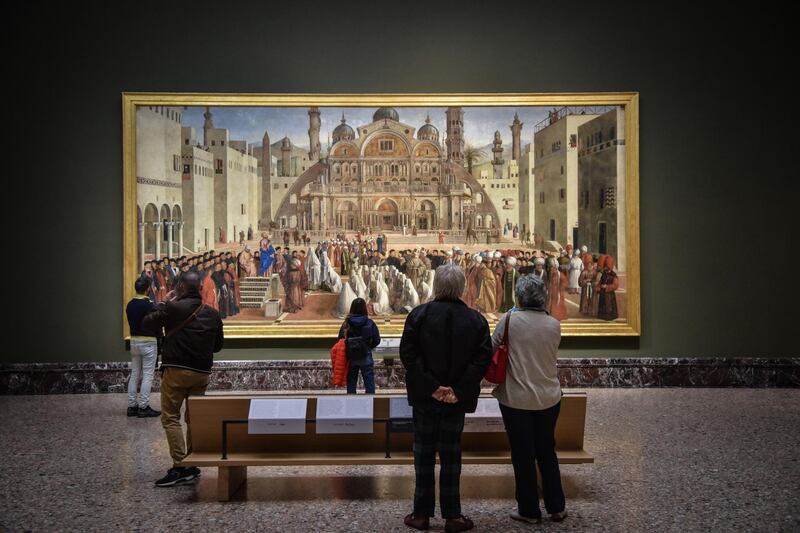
(448, 283)
(531, 291)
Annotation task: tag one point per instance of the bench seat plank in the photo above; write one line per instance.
(397, 458)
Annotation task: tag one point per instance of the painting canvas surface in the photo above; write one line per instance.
(290, 213)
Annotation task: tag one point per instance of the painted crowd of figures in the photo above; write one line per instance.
(395, 281)
(220, 287)
(491, 274)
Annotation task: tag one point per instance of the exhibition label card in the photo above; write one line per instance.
(399, 408)
(277, 416)
(486, 418)
(387, 348)
(339, 414)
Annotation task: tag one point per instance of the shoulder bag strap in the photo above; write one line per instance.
(505, 331)
(185, 322)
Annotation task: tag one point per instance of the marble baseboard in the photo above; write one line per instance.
(71, 378)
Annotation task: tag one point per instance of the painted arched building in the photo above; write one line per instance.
(385, 175)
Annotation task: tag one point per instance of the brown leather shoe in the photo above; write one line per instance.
(455, 525)
(417, 522)
(558, 517)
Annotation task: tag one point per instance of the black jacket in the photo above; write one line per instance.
(136, 310)
(194, 345)
(445, 343)
(362, 326)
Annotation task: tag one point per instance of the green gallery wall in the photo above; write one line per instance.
(716, 224)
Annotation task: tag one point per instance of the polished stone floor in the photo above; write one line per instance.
(666, 460)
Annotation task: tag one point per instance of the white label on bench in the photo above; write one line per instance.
(277, 416)
(486, 418)
(387, 347)
(389, 342)
(340, 414)
(399, 408)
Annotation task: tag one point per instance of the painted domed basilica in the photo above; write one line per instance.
(386, 175)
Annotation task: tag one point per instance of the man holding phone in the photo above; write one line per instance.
(193, 333)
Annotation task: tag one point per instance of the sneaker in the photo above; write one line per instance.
(558, 517)
(528, 519)
(456, 525)
(133, 411)
(176, 475)
(417, 522)
(194, 470)
(148, 412)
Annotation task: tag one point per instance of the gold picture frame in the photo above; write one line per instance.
(629, 101)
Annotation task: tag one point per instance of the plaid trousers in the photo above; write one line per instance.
(437, 429)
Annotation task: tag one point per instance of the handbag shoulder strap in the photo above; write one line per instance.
(185, 322)
(505, 330)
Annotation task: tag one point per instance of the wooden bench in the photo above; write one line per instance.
(381, 447)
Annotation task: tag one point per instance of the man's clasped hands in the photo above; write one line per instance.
(445, 394)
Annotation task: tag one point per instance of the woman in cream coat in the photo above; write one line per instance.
(530, 399)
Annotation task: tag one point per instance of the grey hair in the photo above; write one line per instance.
(449, 281)
(531, 291)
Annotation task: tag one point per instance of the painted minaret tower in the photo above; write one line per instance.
(266, 181)
(516, 147)
(207, 125)
(497, 150)
(313, 133)
(286, 153)
(455, 134)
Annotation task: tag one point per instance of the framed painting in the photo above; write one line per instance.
(290, 206)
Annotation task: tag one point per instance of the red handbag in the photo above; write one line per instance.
(497, 368)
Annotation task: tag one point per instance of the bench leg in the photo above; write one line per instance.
(229, 480)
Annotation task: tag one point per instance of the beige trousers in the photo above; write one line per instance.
(177, 384)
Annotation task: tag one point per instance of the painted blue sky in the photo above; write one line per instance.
(249, 123)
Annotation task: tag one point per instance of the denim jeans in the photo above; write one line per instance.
(367, 373)
(143, 364)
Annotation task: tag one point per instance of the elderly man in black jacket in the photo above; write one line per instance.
(445, 349)
(193, 335)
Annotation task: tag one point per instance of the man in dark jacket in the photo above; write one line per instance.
(445, 349)
(193, 335)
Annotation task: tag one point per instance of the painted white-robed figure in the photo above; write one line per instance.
(381, 304)
(575, 269)
(410, 296)
(329, 276)
(346, 298)
(313, 270)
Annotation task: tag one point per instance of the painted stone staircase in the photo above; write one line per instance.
(253, 292)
